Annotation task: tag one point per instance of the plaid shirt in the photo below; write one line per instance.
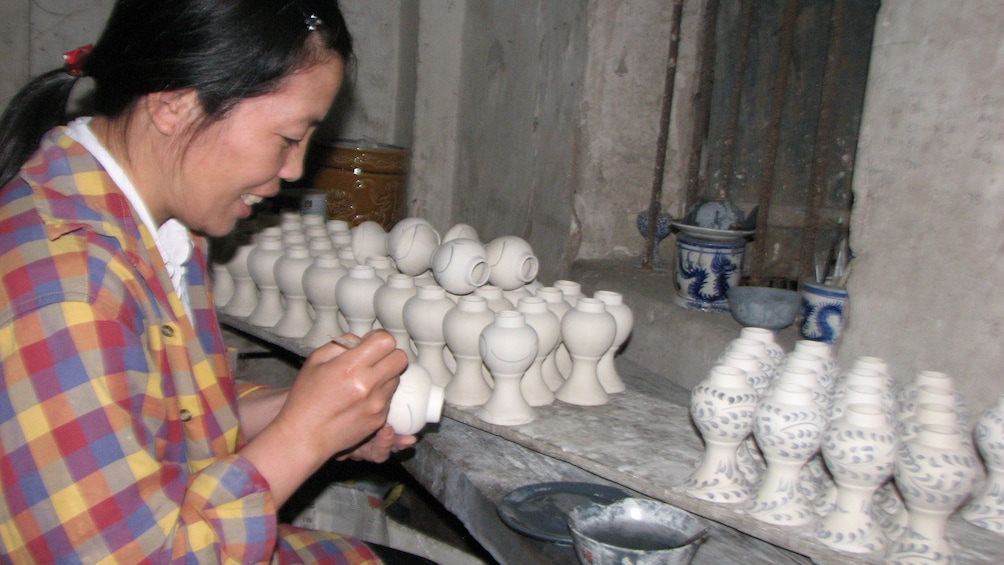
(119, 435)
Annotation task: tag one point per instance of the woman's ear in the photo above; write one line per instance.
(172, 111)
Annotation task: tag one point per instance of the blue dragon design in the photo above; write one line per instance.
(720, 266)
(822, 321)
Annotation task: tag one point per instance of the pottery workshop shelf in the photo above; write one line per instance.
(643, 439)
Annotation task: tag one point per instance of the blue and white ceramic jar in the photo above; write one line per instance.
(823, 308)
(705, 271)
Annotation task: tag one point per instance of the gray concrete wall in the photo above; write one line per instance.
(926, 227)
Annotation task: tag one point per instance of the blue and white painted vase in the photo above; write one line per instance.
(705, 271)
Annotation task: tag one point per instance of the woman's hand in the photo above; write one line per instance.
(379, 447)
(339, 399)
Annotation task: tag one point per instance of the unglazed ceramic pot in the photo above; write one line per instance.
(571, 291)
(384, 266)
(462, 327)
(788, 425)
(355, 293)
(411, 243)
(337, 226)
(508, 347)
(295, 321)
(423, 319)
(587, 331)
(416, 402)
(721, 407)
(497, 302)
(557, 305)
(461, 231)
(859, 448)
(511, 262)
(245, 296)
(342, 240)
(319, 283)
(261, 265)
(368, 240)
(548, 328)
(614, 301)
(936, 473)
(986, 509)
(460, 265)
(388, 303)
(223, 285)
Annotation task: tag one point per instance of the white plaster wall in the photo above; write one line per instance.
(927, 228)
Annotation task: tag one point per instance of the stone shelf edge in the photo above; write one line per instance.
(643, 439)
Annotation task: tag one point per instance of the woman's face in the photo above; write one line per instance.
(237, 161)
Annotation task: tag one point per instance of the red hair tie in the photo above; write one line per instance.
(73, 61)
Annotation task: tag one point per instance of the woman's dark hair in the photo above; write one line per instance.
(225, 50)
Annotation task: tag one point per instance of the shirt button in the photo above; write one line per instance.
(186, 415)
(167, 331)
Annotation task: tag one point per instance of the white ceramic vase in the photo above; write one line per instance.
(423, 319)
(721, 407)
(320, 281)
(461, 231)
(416, 402)
(369, 239)
(571, 291)
(511, 262)
(936, 473)
(411, 243)
(384, 266)
(460, 265)
(295, 321)
(508, 347)
(545, 323)
(831, 371)
(986, 509)
(860, 451)
(788, 425)
(355, 293)
(587, 331)
(261, 265)
(497, 302)
(223, 285)
(557, 305)
(462, 327)
(245, 296)
(614, 302)
(388, 305)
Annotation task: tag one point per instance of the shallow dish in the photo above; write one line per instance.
(763, 307)
(541, 510)
(710, 234)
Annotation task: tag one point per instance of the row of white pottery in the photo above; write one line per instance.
(315, 280)
(867, 433)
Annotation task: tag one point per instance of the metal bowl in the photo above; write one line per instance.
(635, 531)
(763, 307)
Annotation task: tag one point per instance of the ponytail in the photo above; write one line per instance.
(37, 108)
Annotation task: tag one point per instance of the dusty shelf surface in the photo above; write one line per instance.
(643, 439)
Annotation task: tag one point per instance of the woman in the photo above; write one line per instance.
(123, 435)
